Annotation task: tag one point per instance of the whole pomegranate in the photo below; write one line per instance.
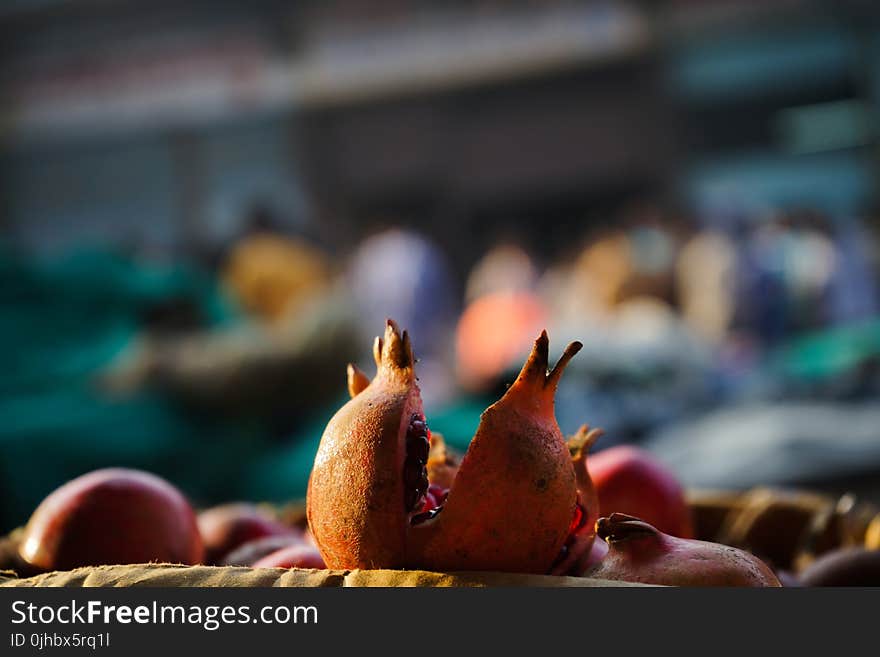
(293, 556)
(112, 516)
(224, 528)
(251, 552)
(513, 498)
(630, 480)
(847, 566)
(638, 552)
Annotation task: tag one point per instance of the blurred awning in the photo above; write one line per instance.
(219, 70)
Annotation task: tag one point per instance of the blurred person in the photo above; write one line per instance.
(652, 248)
(402, 275)
(634, 261)
(604, 267)
(272, 274)
(506, 267)
(571, 298)
(494, 334)
(762, 302)
(852, 285)
(810, 262)
(705, 278)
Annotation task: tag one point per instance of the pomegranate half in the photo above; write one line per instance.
(512, 500)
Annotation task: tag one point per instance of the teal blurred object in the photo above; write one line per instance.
(828, 354)
(458, 421)
(747, 63)
(64, 320)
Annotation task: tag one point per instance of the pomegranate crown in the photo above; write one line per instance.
(395, 349)
(535, 378)
(621, 527)
(393, 354)
(537, 366)
(582, 441)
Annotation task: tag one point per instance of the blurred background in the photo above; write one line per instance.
(209, 208)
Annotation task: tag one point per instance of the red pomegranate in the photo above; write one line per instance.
(293, 556)
(630, 480)
(638, 552)
(112, 516)
(247, 554)
(512, 499)
(226, 527)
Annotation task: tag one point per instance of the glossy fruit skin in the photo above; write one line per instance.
(224, 528)
(112, 516)
(512, 497)
(638, 552)
(844, 567)
(598, 551)
(251, 552)
(630, 480)
(294, 556)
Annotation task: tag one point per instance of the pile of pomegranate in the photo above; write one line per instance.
(522, 498)
(121, 516)
(385, 492)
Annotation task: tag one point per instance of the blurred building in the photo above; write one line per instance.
(157, 124)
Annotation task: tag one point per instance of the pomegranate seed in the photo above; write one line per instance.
(577, 520)
(430, 502)
(418, 447)
(412, 473)
(440, 494)
(414, 500)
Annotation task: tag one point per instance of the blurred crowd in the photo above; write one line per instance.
(239, 364)
(726, 291)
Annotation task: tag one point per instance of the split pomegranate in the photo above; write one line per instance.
(112, 516)
(226, 527)
(630, 480)
(510, 501)
(576, 553)
(638, 552)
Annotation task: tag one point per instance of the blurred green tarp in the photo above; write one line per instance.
(62, 322)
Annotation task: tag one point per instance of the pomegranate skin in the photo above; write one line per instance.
(294, 556)
(638, 552)
(578, 549)
(511, 499)
(112, 516)
(355, 500)
(598, 551)
(251, 552)
(224, 528)
(515, 493)
(629, 480)
(847, 566)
